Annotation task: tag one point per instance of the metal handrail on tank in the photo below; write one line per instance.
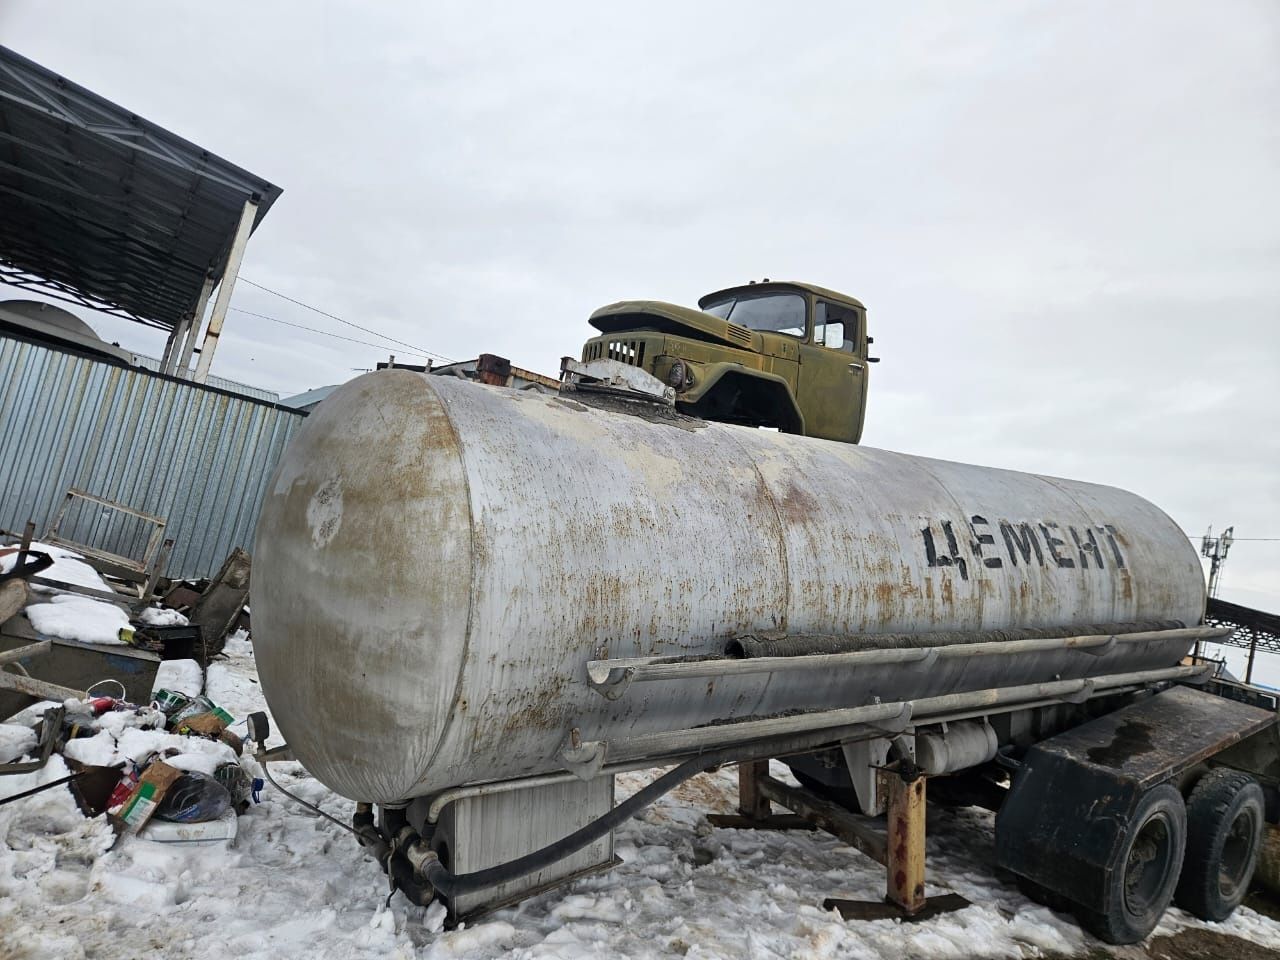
(611, 678)
(889, 717)
(841, 725)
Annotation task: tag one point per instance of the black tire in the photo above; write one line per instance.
(1225, 816)
(1141, 887)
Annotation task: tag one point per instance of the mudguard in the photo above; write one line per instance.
(1063, 823)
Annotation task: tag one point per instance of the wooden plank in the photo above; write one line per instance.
(833, 818)
(750, 802)
(777, 821)
(40, 689)
(905, 864)
(21, 653)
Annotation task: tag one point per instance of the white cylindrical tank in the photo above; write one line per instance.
(436, 562)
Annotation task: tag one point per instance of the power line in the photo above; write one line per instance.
(336, 336)
(419, 351)
(1197, 536)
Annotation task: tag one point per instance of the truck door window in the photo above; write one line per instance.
(773, 313)
(835, 327)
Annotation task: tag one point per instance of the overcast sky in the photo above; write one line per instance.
(1064, 219)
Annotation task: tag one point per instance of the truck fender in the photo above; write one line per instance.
(719, 376)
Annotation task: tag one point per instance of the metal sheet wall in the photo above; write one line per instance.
(199, 457)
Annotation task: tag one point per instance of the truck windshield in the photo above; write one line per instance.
(774, 312)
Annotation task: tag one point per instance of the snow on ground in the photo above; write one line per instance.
(180, 676)
(15, 741)
(295, 885)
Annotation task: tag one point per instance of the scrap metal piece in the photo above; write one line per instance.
(613, 376)
(50, 729)
(219, 607)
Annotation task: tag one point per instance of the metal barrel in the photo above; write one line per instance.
(437, 562)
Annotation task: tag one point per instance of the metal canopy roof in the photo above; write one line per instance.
(105, 209)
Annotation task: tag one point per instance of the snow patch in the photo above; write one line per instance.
(15, 741)
(162, 617)
(67, 566)
(180, 676)
(68, 616)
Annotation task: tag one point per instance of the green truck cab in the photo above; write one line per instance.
(770, 354)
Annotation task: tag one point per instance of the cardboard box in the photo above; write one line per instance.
(209, 724)
(146, 796)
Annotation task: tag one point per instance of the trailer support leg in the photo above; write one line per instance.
(755, 812)
(904, 856)
(905, 864)
(901, 851)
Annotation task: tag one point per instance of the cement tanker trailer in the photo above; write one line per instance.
(474, 605)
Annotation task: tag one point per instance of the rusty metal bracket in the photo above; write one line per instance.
(1103, 648)
(1085, 693)
(583, 758)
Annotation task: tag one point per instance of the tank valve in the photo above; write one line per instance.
(421, 856)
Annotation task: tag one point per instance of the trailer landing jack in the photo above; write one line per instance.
(901, 852)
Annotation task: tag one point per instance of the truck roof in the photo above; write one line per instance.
(813, 288)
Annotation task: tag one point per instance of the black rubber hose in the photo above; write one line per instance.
(452, 885)
(402, 873)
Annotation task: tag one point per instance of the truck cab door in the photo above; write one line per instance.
(832, 385)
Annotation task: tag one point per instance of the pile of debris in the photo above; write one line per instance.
(67, 620)
(110, 676)
(168, 770)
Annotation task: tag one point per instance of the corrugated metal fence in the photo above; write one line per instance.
(199, 457)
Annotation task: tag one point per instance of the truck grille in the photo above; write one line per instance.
(624, 351)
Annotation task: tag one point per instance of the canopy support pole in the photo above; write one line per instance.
(190, 331)
(225, 288)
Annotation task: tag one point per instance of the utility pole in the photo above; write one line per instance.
(1215, 548)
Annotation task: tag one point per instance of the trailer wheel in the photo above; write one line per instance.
(1140, 888)
(1225, 814)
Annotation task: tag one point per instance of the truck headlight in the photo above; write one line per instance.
(679, 376)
